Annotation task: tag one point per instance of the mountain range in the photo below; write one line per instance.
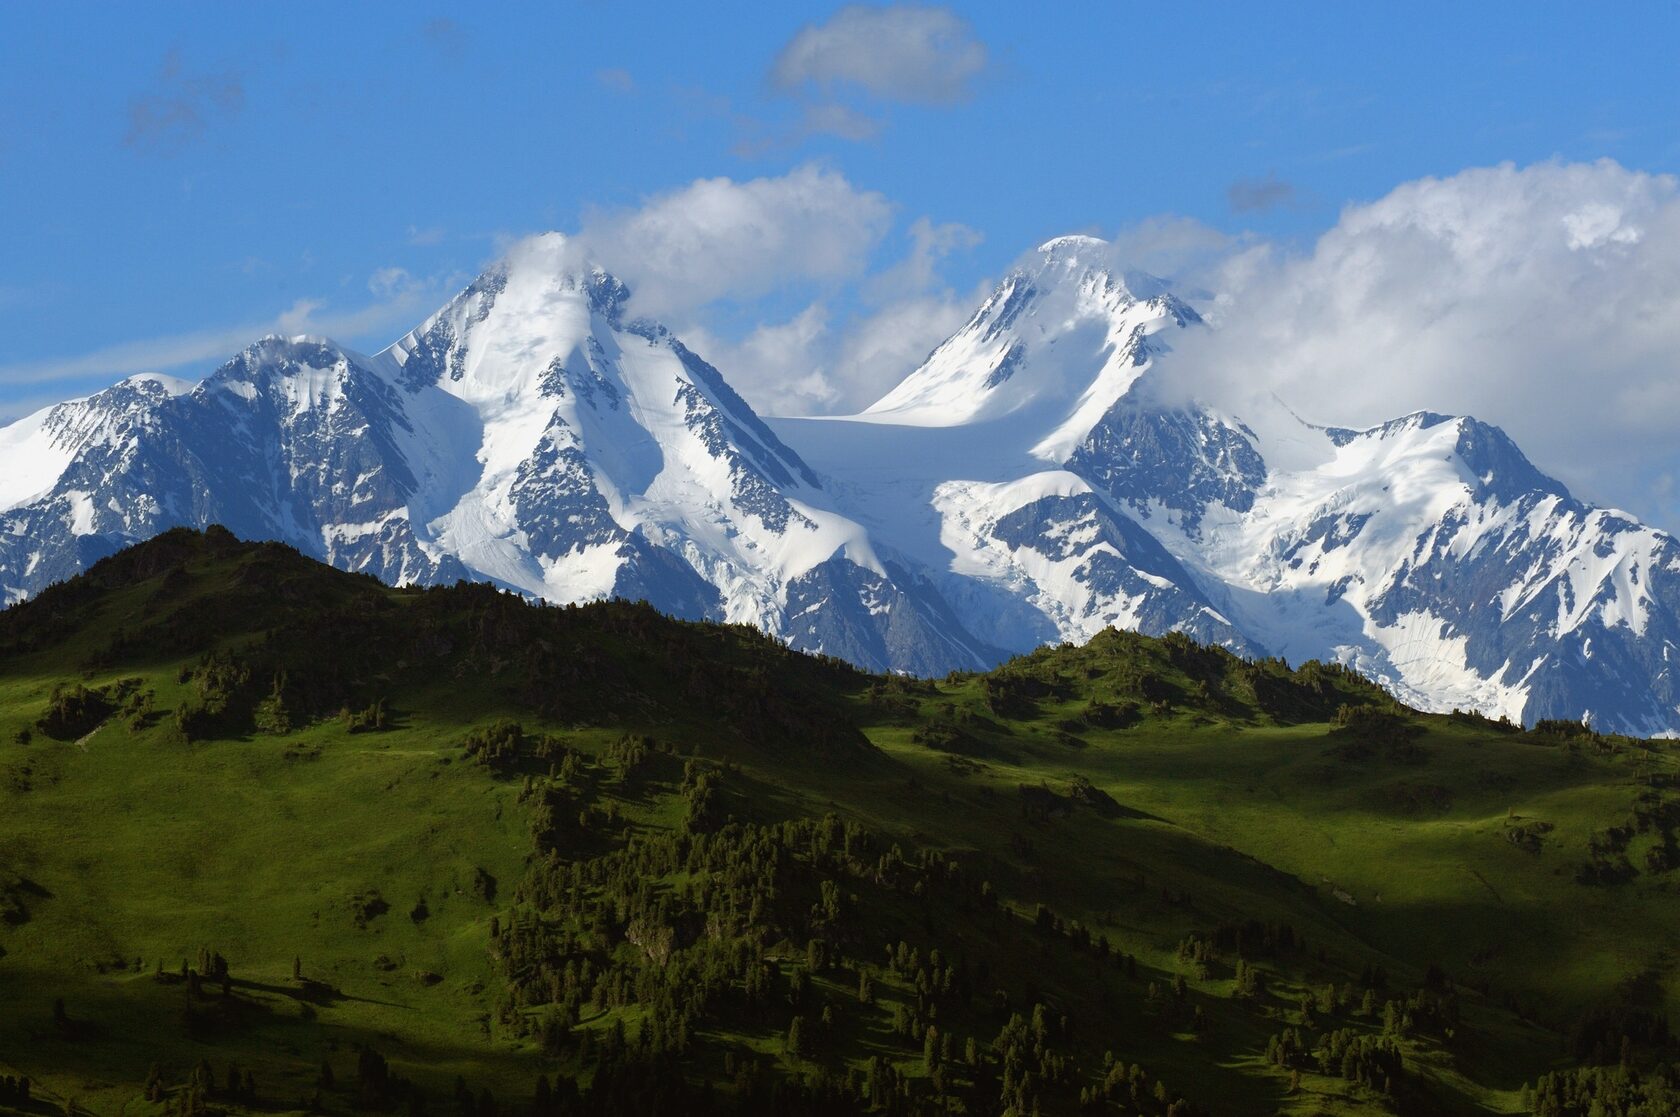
(1037, 479)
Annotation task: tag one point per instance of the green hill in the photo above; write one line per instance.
(277, 838)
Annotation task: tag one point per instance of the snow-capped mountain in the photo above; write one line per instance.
(1025, 484)
(1028, 461)
(525, 434)
(968, 465)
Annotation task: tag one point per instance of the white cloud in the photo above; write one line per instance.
(780, 366)
(702, 258)
(1181, 249)
(387, 282)
(843, 75)
(902, 52)
(717, 238)
(918, 271)
(1596, 224)
(883, 348)
(812, 365)
(1545, 300)
(820, 362)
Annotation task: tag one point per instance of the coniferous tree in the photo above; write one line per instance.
(795, 1044)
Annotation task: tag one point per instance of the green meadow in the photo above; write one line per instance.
(275, 838)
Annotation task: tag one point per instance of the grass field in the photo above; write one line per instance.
(1144, 792)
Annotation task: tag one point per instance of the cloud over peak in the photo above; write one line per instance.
(1545, 299)
(719, 238)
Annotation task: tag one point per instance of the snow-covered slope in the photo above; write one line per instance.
(1048, 353)
(1431, 554)
(979, 462)
(1428, 552)
(1023, 485)
(525, 434)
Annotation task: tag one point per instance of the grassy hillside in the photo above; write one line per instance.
(277, 838)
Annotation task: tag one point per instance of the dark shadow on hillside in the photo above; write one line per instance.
(308, 991)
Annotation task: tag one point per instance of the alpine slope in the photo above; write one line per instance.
(1028, 483)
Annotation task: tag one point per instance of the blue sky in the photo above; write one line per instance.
(177, 176)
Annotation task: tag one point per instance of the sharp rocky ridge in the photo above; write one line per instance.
(1023, 485)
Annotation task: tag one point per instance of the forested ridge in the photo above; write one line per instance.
(277, 838)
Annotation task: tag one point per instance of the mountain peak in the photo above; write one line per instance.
(1072, 244)
(1076, 257)
(560, 261)
(310, 349)
(1495, 467)
(171, 385)
(1032, 347)
(1413, 421)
